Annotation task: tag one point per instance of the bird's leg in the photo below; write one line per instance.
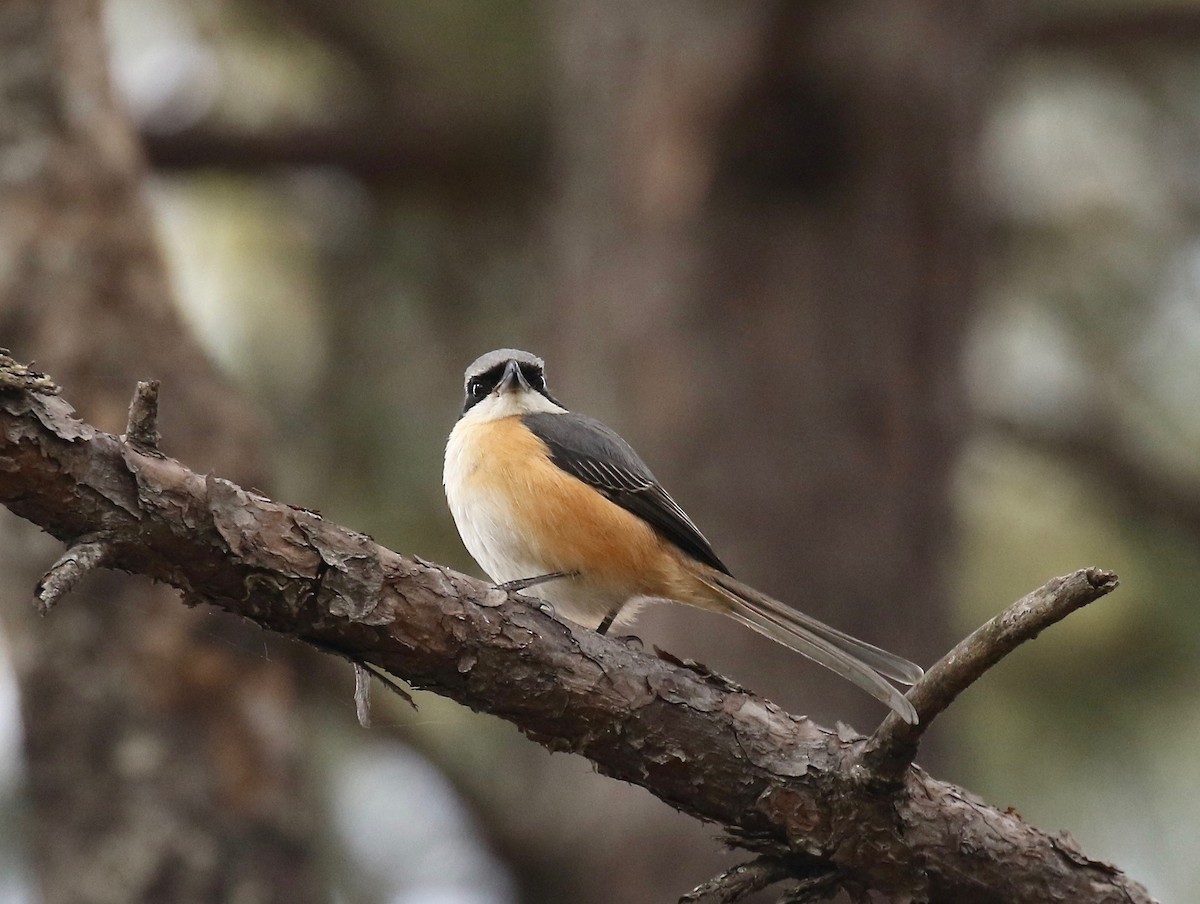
(603, 627)
(525, 583)
(630, 640)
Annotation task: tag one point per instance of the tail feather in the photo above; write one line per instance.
(853, 659)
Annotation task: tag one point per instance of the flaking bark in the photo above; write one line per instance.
(777, 784)
(161, 762)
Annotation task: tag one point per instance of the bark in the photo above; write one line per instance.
(162, 752)
(776, 784)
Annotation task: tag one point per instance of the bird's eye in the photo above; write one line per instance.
(477, 389)
(536, 380)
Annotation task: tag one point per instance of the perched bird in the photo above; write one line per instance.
(558, 504)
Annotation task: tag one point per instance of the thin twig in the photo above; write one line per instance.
(359, 664)
(814, 888)
(362, 694)
(78, 560)
(15, 375)
(142, 428)
(891, 749)
(739, 881)
(390, 683)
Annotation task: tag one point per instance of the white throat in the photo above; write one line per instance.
(507, 404)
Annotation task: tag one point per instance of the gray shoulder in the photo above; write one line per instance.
(581, 437)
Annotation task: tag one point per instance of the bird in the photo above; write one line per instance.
(557, 505)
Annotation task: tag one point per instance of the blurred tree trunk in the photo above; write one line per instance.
(164, 758)
(788, 191)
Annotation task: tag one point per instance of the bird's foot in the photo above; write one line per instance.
(525, 583)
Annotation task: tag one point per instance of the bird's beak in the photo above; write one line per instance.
(513, 380)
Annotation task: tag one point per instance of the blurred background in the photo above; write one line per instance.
(901, 301)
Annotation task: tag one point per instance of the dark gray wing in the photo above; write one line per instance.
(591, 452)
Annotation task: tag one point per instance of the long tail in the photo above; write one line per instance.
(853, 659)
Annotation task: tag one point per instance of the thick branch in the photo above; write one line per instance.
(778, 784)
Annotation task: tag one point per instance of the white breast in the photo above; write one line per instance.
(480, 499)
(485, 517)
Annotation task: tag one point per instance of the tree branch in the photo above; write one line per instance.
(142, 428)
(389, 146)
(82, 556)
(894, 744)
(743, 880)
(778, 784)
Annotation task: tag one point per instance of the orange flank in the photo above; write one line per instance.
(510, 467)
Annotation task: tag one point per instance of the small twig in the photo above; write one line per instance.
(891, 749)
(390, 683)
(362, 694)
(387, 680)
(15, 375)
(815, 888)
(739, 881)
(80, 558)
(142, 428)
